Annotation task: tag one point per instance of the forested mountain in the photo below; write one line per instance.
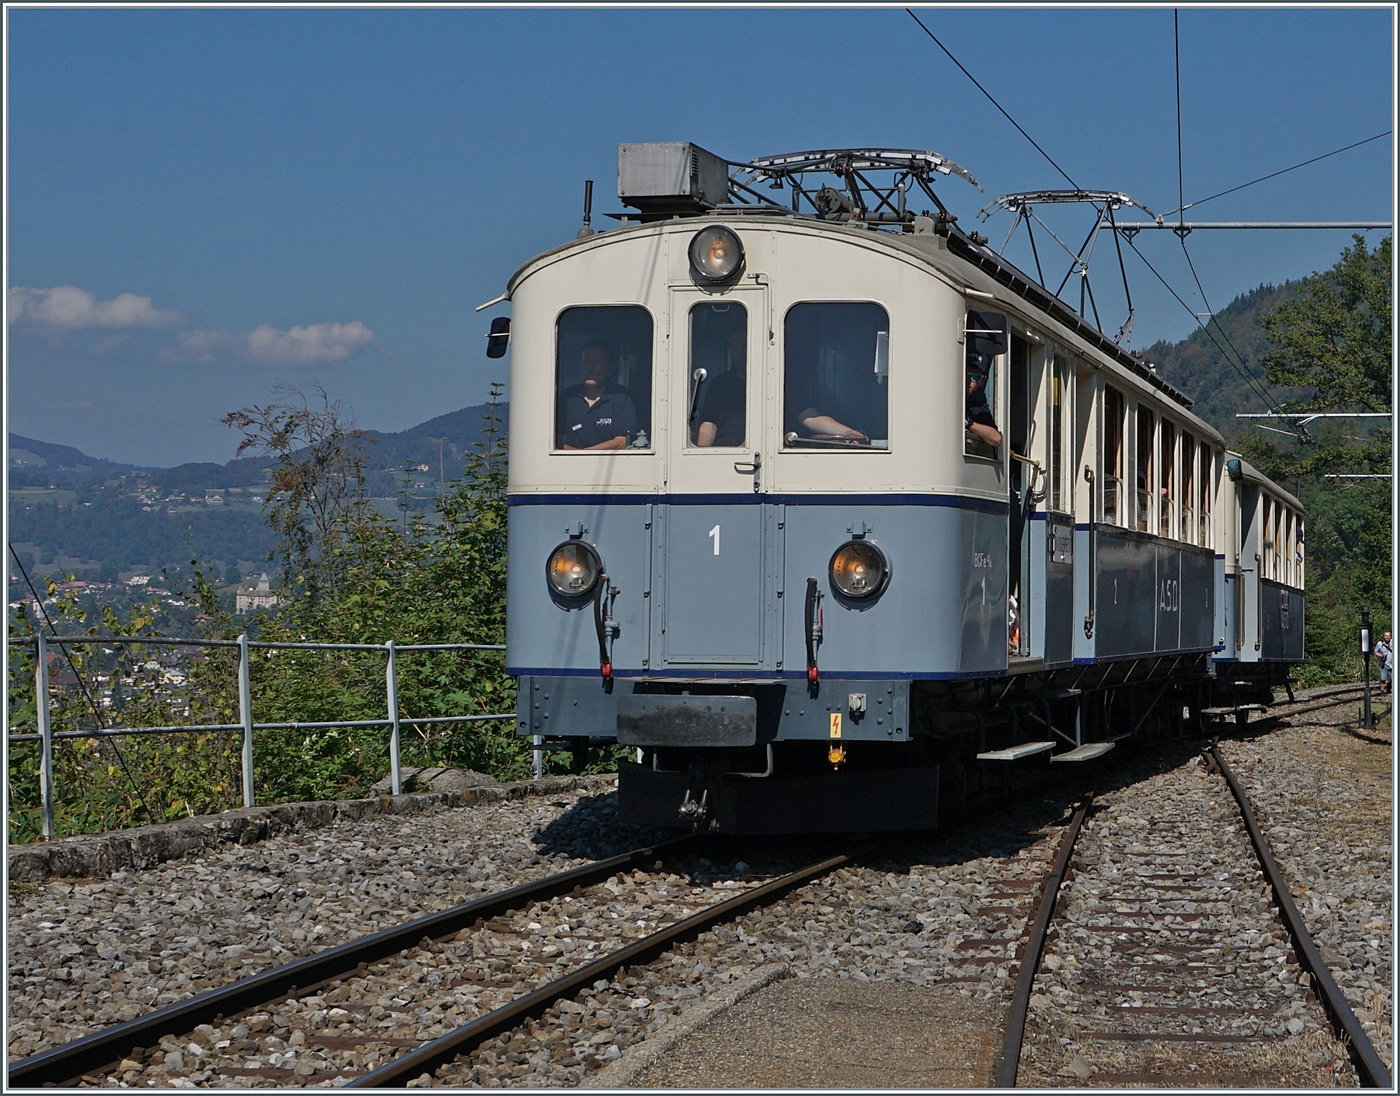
(36, 463)
(1207, 366)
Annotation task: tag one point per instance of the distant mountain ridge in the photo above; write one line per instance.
(1200, 365)
(442, 443)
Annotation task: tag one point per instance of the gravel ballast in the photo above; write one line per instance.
(1323, 794)
(944, 915)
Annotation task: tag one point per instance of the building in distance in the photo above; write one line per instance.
(258, 596)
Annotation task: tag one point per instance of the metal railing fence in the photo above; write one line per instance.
(46, 735)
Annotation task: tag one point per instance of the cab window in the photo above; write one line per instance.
(602, 379)
(717, 381)
(836, 373)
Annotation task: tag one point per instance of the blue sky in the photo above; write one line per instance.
(202, 203)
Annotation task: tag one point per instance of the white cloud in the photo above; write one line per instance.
(317, 342)
(70, 306)
(203, 345)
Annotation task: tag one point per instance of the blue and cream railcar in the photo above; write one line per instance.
(1260, 589)
(757, 533)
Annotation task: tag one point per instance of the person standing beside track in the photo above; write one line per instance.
(1385, 654)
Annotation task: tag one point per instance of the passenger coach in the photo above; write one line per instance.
(835, 516)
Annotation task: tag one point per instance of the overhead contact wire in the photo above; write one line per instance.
(1284, 171)
(993, 101)
(1247, 378)
(1181, 230)
(1180, 183)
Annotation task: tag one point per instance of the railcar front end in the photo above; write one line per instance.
(742, 573)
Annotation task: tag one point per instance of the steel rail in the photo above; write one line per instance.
(1030, 956)
(429, 1057)
(1323, 706)
(65, 1063)
(1368, 1063)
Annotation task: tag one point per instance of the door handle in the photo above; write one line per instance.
(750, 468)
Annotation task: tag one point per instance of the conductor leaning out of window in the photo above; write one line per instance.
(978, 415)
(596, 414)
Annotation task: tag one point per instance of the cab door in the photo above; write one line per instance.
(713, 545)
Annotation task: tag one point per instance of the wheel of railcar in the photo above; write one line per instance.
(578, 755)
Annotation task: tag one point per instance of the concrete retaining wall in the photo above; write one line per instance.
(98, 855)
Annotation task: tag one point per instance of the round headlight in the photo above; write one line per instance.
(573, 568)
(715, 255)
(859, 569)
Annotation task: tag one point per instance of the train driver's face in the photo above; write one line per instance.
(595, 367)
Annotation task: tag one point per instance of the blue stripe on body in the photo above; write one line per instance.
(737, 674)
(960, 502)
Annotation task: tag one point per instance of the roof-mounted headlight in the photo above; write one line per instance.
(572, 569)
(715, 255)
(859, 569)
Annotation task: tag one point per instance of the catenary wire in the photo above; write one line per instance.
(1180, 177)
(1284, 171)
(994, 103)
(1273, 399)
(1249, 380)
(96, 713)
(1180, 197)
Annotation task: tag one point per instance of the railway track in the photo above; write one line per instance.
(1320, 701)
(104, 1050)
(343, 1028)
(441, 1051)
(340, 994)
(1146, 976)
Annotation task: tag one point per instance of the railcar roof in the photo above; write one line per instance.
(960, 245)
(1253, 475)
(951, 241)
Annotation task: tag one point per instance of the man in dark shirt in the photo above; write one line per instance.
(722, 399)
(593, 415)
(978, 416)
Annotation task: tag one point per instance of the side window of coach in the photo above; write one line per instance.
(602, 378)
(836, 364)
(1115, 502)
(1145, 437)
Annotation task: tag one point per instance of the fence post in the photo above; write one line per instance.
(41, 712)
(392, 690)
(245, 716)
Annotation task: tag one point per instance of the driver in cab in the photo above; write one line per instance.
(978, 419)
(595, 414)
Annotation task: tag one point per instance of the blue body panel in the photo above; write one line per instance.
(713, 586)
